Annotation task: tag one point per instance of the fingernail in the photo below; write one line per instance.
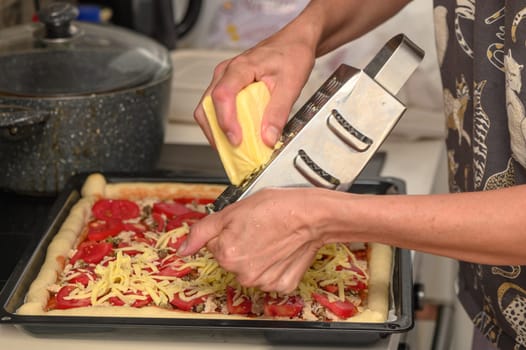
(272, 134)
(232, 138)
(182, 248)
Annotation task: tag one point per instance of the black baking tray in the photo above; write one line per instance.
(274, 331)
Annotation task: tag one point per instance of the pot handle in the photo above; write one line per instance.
(14, 119)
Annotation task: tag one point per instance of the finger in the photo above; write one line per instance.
(293, 275)
(200, 233)
(237, 74)
(199, 112)
(277, 112)
(200, 118)
(284, 276)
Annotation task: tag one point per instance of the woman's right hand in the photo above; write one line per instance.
(283, 62)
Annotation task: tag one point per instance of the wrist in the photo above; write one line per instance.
(336, 216)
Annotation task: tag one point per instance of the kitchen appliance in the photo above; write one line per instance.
(274, 331)
(156, 19)
(78, 97)
(333, 136)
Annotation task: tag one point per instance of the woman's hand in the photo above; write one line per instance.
(283, 62)
(268, 239)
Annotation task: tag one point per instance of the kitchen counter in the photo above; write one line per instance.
(418, 163)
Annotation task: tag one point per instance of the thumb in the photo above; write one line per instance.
(276, 114)
(200, 233)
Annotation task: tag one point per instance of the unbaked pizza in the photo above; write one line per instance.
(116, 255)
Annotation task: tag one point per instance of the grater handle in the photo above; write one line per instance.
(394, 63)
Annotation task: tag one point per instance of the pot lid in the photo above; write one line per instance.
(59, 56)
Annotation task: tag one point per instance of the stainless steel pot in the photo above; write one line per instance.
(78, 97)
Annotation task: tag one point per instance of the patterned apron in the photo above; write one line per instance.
(482, 54)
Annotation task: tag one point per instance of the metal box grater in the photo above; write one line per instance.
(329, 141)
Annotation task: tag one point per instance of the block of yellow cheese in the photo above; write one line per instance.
(252, 153)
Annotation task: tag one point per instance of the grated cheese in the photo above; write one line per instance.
(134, 274)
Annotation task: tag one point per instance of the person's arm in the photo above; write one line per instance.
(285, 60)
(270, 238)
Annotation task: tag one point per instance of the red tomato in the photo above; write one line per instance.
(62, 303)
(100, 230)
(186, 305)
(358, 287)
(92, 252)
(174, 271)
(130, 252)
(137, 303)
(360, 254)
(331, 288)
(351, 268)
(172, 267)
(190, 218)
(170, 209)
(342, 309)
(141, 238)
(115, 209)
(276, 307)
(142, 303)
(175, 244)
(83, 277)
(136, 227)
(116, 301)
(243, 308)
(190, 200)
(159, 223)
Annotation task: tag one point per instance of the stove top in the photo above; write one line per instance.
(23, 219)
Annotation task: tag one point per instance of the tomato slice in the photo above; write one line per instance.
(177, 242)
(142, 303)
(186, 305)
(82, 277)
(190, 218)
(100, 230)
(171, 209)
(62, 303)
(135, 227)
(130, 252)
(116, 301)
(242, 308)
(115, 209)
(141, 238)
(92, 252)
(174, 271)
(359, 286)
(159, 223)
(291, 307)
(331, 288)
(172, 267)
(360, 254)
(342, 309)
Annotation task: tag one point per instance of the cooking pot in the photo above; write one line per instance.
(78, 97)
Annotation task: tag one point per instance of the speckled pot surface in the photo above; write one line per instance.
(121, 131)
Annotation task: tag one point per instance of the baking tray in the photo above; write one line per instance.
(274, 331)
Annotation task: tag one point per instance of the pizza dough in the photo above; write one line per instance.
(72, 233)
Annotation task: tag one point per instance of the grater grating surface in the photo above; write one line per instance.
(329, 141)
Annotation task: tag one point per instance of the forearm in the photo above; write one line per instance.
(484, 227)
(328, 24)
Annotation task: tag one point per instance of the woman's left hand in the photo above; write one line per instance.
(268, 239)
